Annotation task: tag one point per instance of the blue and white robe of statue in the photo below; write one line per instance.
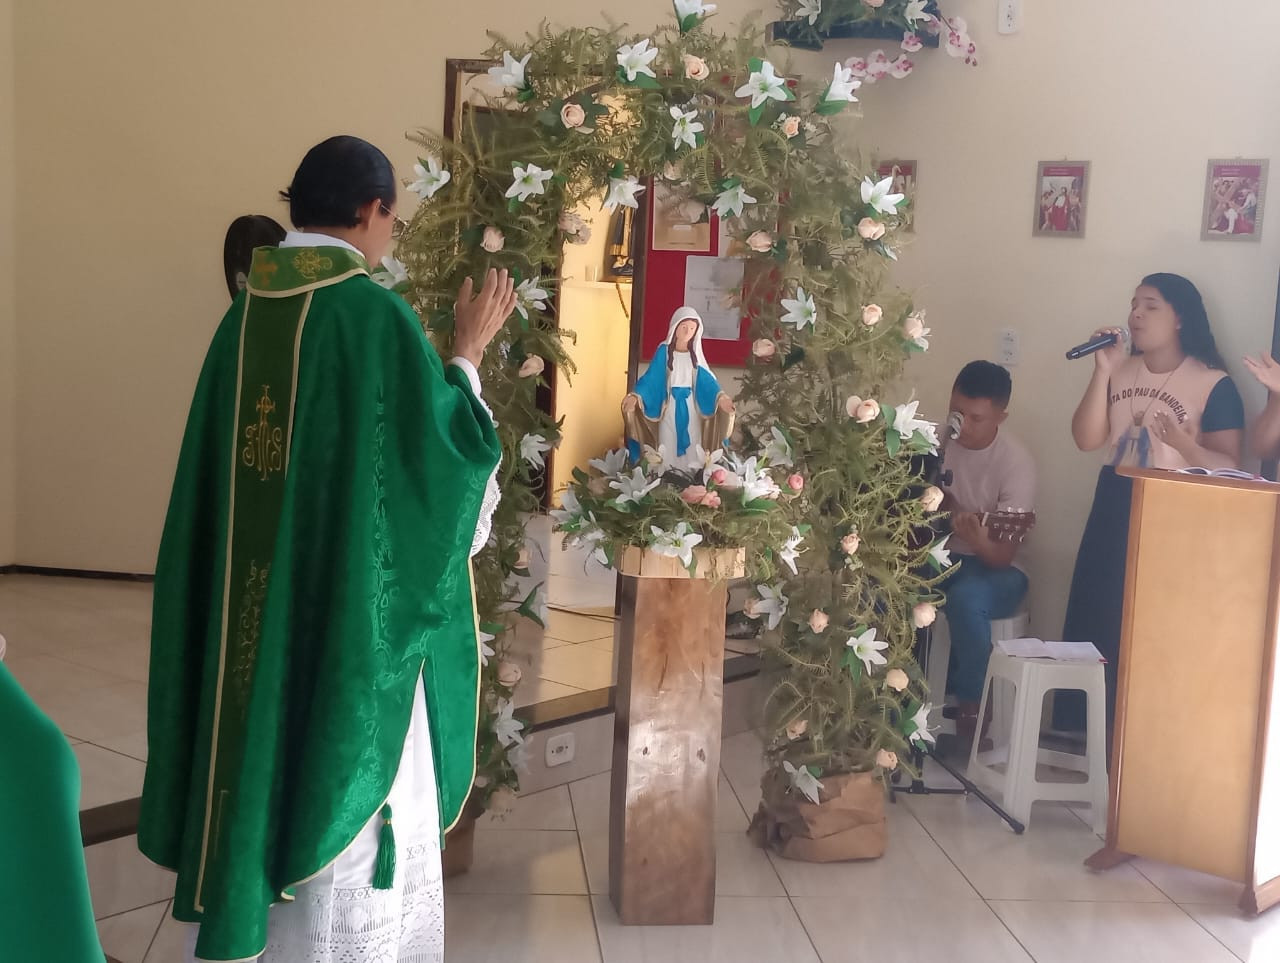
(679, 406)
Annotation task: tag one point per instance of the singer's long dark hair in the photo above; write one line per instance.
(1195, 335)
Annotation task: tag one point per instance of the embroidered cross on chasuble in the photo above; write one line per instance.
(314, 564)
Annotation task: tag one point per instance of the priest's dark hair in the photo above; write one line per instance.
(1195, 335)
(984, 379)
(337, 178)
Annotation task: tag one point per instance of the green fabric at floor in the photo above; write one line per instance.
(45, 912)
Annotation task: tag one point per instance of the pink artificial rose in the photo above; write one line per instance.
(764, 349)
(913, 327)
(573, 116)
(533, 365)
(874, 3)
(870, 229)
(851, 405)
(791, 127)
(760, 242)
(868, 411)
(932, 498)
(795, 482)
(884, 758)
(850, 543)
(924, 615)
(872, 314)
(695, 68)
(493, 240)
(797, 728)
(896, 680)
(598, 487)
(509, 674)
(694, 494)
(711, 500)
(719, 475)
(819, 621)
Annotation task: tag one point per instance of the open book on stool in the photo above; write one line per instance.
(1057, 651)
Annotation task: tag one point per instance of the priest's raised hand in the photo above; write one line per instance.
(478, 319)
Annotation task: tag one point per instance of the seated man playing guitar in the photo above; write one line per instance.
(989, 481)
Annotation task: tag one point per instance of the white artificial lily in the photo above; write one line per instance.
(634, 59)
(843, 84)
(922, 339)
(879, 195)
(528, 181)
(532, 448)
(729, 202)
(906, 424)
(810, 9)
(915, 11)
(622, 191)
(801, 310)
(612, 464)
(805, 781)
(393, 272)
(686, 8)
(530, 294)
(677, 543)
(486, 650)
(790, 551)
(570, 509)
(589, 540)
(921, 734)
(686, 128)
(868, 648)
(505, 726)
(698, 459)
(772, 603)
(757, 483)
(763, 84)
(511, 73)
(430, 178)
(778, 450)
(940, 554)
(633, 487)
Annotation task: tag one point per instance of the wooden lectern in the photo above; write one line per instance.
(1195, 775)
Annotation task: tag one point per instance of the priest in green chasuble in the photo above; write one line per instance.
(315, 662)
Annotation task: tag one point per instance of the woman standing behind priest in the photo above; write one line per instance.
(1168, 404)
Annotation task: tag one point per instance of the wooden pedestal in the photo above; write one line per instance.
(666, 746)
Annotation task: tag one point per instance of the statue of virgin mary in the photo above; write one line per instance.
(678, 402)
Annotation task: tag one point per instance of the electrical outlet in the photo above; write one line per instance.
(1007, 347)
(1009, 17)
(560, 749)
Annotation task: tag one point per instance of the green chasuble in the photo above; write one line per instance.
(315, 561)
(45, 912)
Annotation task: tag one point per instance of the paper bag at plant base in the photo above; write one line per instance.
(848, 823)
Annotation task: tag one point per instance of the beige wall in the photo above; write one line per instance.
(1148, 91)
(8, 319)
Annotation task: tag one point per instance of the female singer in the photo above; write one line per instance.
(1168, 404)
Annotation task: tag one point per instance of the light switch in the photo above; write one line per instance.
(1009, 16)
(1007, 347)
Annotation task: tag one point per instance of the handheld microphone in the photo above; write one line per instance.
(1095, 344)
(955, 424)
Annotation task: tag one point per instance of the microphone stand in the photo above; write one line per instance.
(924, 645)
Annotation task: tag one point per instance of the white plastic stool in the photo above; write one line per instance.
(1017, 743)
(1014, 627)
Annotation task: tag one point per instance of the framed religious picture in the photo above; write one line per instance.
(680, 222)
(904, 174)
(1062, 196)
(1233, 197)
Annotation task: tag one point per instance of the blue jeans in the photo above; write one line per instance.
(976, 594)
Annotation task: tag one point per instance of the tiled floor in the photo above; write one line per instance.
(954, 886)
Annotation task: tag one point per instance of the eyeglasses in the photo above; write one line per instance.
(399, 228)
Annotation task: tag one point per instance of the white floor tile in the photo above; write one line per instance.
(849, 930)
(1188, 886)
(170, 945)
(106, 776)
(759, 930)
(122, 879)
(579, 666)
(742, 761)
(549, 809)
(1057, 932)
(524, 861)
(114, 710)
(42, 676)
(519, 929)
(133, 745)
(1254, 940)
(1045, 862)
(128, 936)
(911, 861)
